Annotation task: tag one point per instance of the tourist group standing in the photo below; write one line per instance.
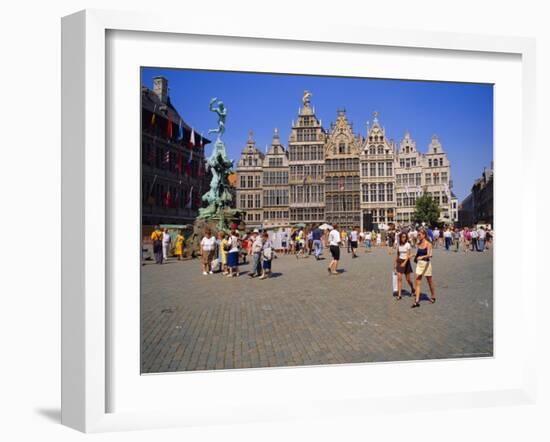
(221, 253)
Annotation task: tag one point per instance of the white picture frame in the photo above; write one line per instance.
(86, 315)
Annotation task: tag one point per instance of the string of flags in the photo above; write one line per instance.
(193, 140)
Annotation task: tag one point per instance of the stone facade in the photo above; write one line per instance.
(275, 185)
(306, 155)
(249, 191)
(342, 194)
(337, 176)
(378, 175)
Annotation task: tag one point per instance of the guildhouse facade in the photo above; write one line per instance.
(342, 152)
(306, 161)
(249, 191)
(337, 176)
(377, 176)
(275, 185)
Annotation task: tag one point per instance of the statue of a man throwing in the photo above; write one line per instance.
(221, 110)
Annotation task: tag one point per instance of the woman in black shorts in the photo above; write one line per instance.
(334, 243)
(403, 264)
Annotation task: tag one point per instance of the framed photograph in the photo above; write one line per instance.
(250, 215)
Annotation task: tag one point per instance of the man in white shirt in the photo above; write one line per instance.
(334, 245)
(353, 239)
(208, 246)
(257, 244)
(165, 243)
(481, 238)
(474, 240)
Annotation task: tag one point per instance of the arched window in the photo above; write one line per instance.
(372, 150)
(341, 148)
(380, 150)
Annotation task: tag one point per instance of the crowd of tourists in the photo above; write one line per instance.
(222, 253)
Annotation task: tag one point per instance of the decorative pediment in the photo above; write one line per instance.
(341, 140)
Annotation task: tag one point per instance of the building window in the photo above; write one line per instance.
(341, 148)
(373, 198)
(380, 169)
(372, 171)
(389, 192)
(381, 192)
(428, 178)
(389, 168)
(365, 193)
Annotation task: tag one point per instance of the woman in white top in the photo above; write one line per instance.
(208, 247)
(403, 263)
(233, 254)
(334, 241)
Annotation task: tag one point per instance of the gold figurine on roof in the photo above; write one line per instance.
(305, 98)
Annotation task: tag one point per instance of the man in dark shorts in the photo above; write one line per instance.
(334, 244)
(353, 241)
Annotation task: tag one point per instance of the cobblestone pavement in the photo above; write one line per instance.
(304, 316)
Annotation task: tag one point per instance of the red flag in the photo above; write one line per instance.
(168, 199)
(192, 138)
(169, 132)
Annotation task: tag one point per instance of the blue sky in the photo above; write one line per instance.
(461, 114)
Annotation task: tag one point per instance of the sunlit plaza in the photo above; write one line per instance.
(304, 316)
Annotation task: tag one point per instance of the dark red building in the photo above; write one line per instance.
(173, 172)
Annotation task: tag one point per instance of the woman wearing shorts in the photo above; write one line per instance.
(334, 245)
(208, 247)
(423, 266)
(403, 264)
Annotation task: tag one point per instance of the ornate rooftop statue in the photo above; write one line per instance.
(219, 196)
(306, 97)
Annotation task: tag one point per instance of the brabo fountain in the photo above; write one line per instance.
(218, 214)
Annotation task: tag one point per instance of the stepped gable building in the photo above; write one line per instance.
(275, 185)
(408, 179)
(249, 190)
(336, 176)
(377, 177)
(437, 183)
(306, 155)
(173, 175)
(342, 195)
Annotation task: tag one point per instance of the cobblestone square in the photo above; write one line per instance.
(304, 316)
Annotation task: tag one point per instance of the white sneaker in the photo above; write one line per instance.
(204, 273)
(210, 272)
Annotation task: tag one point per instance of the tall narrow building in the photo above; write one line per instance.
(437, 179)
(408, 179)
(306, 150)
(249, 184)
(377, 178)
(275, 185)
(342, 194)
